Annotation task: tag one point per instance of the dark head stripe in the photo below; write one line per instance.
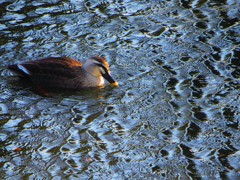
(102, 63)
(102, 66)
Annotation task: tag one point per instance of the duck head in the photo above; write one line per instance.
(99, 67)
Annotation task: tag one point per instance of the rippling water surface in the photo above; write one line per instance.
(174, 116)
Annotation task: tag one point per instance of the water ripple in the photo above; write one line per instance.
(174, 115)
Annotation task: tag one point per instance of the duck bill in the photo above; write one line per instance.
(109, 78)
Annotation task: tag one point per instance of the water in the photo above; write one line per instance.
(175, 114)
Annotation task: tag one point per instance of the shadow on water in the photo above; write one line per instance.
(175, 114)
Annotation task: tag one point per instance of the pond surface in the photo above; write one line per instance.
(175, 114)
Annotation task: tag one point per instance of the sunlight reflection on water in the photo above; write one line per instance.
(175, 114)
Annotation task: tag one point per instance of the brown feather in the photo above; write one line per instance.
(61, 72)
(51, 72)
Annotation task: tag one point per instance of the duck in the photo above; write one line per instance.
(65, 73)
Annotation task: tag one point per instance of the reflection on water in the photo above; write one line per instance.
(174, 116)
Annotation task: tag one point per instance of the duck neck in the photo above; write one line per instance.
(91, 80)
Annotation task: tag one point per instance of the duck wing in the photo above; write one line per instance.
(50, 72)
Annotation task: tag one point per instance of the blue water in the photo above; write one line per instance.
(175, 114)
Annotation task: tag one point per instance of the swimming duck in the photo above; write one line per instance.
(66, 73)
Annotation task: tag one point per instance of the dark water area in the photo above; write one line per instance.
(175, 114)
